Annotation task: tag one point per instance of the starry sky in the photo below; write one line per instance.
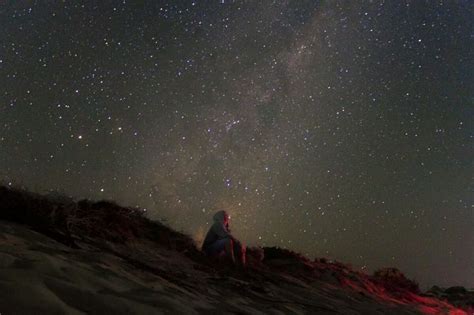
(339, 129)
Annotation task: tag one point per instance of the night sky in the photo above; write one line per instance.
(337, 129)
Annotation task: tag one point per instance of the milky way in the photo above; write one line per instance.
(337, 129)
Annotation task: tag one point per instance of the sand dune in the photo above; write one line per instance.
(41, 276)
(51, 266)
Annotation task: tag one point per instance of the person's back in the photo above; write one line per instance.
(220, 241)
(216, 232)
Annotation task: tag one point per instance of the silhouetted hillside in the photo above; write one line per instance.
(59, 256)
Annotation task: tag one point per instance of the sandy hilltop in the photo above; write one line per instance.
(59, 256)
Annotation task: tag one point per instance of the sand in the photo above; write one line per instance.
(41, 276)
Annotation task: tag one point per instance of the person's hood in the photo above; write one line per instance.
(219, 216)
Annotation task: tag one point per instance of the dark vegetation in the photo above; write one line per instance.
(458, 296)
(394, 280)
(66, 221)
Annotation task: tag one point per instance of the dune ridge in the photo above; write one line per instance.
(61, 256)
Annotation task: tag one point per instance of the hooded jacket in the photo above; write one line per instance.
(218, 230)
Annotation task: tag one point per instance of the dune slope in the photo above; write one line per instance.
(58, 256)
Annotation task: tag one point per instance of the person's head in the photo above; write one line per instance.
(222, 216)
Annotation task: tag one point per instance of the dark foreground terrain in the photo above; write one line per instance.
(59, 256)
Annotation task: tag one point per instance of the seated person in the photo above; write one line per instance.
(219, 241)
